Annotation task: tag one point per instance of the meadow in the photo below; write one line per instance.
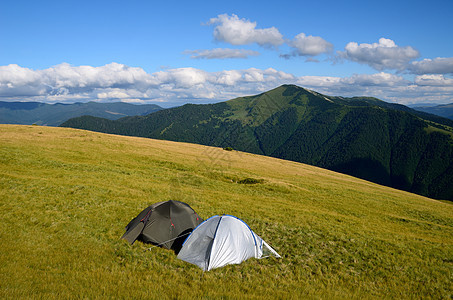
(66, 196)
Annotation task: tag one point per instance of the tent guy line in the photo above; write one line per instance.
(159, 245)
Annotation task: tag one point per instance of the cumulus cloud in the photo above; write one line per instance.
(221, 53)
(181, 78)
(381, 79)
(237, 31)
(18, 81)
(304, 45)
(83, 77)
(434, 80)
(117, 82)
(380, 56)
(66, 81)
(114, 94)
(228, 78)
(439, 65)
(376, 85)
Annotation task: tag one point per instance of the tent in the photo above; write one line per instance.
(223, 240)
(166, 224)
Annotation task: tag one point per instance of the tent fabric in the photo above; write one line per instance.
(223, 240)
(166, 224)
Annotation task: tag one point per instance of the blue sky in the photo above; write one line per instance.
(171, 53)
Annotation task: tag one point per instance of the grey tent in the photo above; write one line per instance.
(166, 224)
(223, 240)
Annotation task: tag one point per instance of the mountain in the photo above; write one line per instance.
(67, 195)
(444, 110)
(389, 144)
(28, 113)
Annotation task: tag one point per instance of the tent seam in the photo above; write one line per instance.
(213, 239)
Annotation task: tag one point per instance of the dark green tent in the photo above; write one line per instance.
(166, 224)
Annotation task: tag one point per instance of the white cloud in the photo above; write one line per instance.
(15, 80)
(434, 80)
(221, 53)
(378, 79)
(380, 56)
(309, 45)
(114, 94)
(439, 65)
(181, 78)
(237, 31)
(114, 74)
(64, 81)
(116, 82)
(380, 85)
(228, 77)
(13, 74)
(133, 101)
(253, 75)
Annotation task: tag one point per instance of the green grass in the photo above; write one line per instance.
(66, 196)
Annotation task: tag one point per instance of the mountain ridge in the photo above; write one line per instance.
(28, 113)
(443, 110)
(364, 137)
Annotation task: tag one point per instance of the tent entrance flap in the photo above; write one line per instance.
(133, 233)
(269, 251)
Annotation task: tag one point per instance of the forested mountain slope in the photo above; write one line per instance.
(368, 138)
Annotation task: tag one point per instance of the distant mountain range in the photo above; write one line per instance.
(55, 114)
(444, 110)
(368, 138)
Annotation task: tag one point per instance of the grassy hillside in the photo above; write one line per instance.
(66, 196)
(368, 138)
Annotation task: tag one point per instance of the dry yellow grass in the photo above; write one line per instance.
(66, 195)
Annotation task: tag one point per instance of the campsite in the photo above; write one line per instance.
(67, 196)
(226, 150)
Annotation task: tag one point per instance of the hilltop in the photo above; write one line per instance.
(66, 196)
(364, 137)
(28, 113)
